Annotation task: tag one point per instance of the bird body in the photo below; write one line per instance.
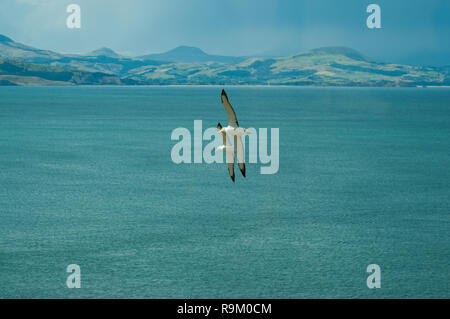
(225, 148)
(239, 131)
(236, 132)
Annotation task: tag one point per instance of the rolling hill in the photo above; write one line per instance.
(328, 66)
(102, 60)
(331, 66)
(16, 72)
(106, 52)
(189, 54)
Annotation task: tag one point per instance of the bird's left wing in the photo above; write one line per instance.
(230, 163)
(240, 153)
(232, 120)
(229, 155)
(225, 139)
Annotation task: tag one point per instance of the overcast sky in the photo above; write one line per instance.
(413, 31)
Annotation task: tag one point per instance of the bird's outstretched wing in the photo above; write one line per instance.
(231, 170)
(240, 153)
(230, 163)
(232, 120)
(229, 155)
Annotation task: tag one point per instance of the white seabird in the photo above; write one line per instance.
(234, 130)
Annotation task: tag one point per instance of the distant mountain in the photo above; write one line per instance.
(103, 60)
(107, 52)
(328, 66)
(343, 51)
(189, 54)
(5, 39)
(11, 49)
(14, 72)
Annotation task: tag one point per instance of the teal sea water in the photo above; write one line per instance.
(86, 178)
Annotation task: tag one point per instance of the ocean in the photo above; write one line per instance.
(86, 178)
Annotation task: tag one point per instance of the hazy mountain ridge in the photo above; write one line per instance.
(104, 51)
(15, 72)
(335, 66)
(189, 54)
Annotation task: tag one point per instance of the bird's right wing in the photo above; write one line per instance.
(232, 120)
(230, 163)
(229, 155)
(231, 170)
(240, 153)
(225, 139)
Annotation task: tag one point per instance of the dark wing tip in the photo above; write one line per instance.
(224, 94)
(242, 169)
(219, 126)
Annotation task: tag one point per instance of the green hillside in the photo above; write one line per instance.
(15, 72)
(189, 54)
(334, 66)
(329, 66)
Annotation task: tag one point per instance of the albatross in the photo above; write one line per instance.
(236, 132)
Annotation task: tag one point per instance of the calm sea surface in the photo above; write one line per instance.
(86, 178)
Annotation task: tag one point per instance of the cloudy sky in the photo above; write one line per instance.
(413, 31)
